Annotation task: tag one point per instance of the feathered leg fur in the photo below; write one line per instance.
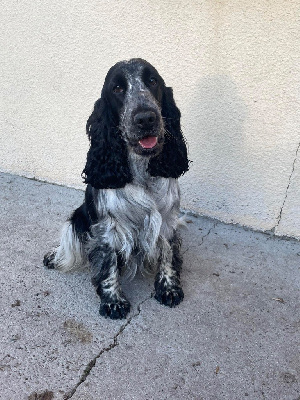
(105, 277)
(167, 285)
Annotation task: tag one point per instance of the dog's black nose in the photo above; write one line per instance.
(145, 119)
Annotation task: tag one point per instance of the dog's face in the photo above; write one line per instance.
(135, 115)
(135, 89)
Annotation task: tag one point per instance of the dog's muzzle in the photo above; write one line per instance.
(148, 132)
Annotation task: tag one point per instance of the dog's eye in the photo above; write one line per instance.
(118, 89)
(153, 81)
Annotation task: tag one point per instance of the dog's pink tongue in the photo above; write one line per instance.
(148, 142)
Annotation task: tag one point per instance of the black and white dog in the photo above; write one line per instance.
(129, 218)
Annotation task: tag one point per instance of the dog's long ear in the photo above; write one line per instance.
(107, 164)
(172, 162)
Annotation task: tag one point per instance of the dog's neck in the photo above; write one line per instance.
(138, 166)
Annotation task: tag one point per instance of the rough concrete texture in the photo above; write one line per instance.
(235, 336)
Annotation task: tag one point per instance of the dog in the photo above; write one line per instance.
(130, 214)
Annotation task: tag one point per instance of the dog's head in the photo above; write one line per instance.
(136, 113)
(137, 89)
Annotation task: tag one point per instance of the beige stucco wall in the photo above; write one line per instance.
(234, 66)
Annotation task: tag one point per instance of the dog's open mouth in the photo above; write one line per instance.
(148, 142)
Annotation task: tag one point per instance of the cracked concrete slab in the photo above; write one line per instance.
(50, 324)
(236, 334)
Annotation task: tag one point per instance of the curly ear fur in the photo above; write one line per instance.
(172, 162)
(107, 164)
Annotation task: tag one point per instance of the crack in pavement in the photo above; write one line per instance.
(205, 236)
(111, 346)
(286, 192)
(202, 238)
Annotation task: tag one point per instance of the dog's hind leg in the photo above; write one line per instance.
(105, 277)
(70, 254)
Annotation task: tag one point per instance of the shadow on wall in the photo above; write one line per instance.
(221, 114)
(220, 154)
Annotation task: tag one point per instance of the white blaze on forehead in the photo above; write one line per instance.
(138, 95)
(134, 80)
(137, 91)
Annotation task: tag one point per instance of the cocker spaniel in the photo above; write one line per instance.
(129, 217)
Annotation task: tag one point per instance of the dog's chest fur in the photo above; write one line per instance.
(131, 219)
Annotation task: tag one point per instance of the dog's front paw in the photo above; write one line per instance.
(170, 296)
(115, 310)
(49, 260)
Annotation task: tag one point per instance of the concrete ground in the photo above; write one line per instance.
(235, 336)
